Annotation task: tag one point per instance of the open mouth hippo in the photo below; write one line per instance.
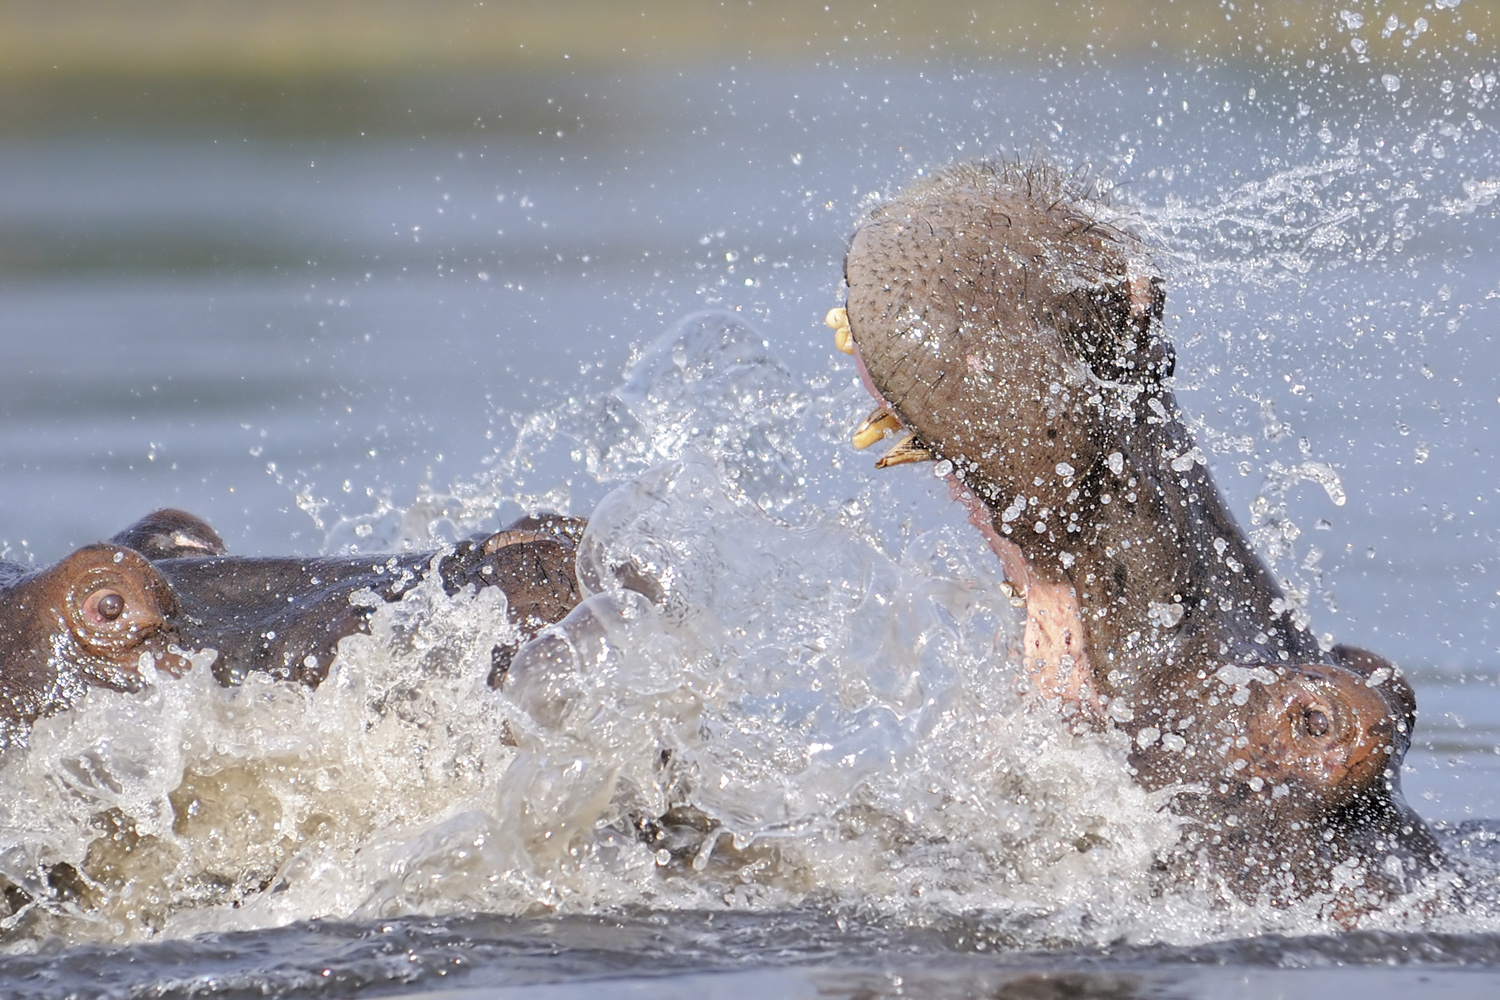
(109, 613)
(1011, 329)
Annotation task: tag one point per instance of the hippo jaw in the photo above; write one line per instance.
(999, 337)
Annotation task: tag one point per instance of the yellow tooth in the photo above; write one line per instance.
(904, 452)
(874, 427)
(838, 322)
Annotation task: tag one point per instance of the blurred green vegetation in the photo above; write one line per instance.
(292, 66)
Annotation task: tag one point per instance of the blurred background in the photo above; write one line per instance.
(291, 264)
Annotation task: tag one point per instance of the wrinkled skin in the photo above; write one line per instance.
(1011, 330)
(109, 613)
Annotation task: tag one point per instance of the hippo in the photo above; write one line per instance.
(111, 612)
(1010, 328)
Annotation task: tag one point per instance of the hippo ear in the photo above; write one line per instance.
(171, 534)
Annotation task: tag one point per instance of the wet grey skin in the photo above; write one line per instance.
(1013, 328)
(165, 586)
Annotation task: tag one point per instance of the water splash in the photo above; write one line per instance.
(779, 690)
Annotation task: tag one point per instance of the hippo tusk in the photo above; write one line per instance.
(873, 427)
(904, 452)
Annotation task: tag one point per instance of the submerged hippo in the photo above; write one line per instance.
(1013, 334)
(107, 614)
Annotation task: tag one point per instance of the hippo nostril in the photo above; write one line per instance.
(1315, 722)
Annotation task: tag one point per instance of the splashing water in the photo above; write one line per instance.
(817, 702)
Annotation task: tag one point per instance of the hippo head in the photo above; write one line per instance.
(97, 618)
(1011, 329)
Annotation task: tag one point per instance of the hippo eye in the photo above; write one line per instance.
(1315, 722)
(105, 605)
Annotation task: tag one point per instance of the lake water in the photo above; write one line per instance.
(606, 294)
